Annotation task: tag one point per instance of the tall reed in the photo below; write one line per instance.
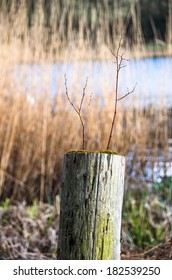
(35, 136)
(59, 30)
(36, 130)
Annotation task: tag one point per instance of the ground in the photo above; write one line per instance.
(32, 233)
(162, 251)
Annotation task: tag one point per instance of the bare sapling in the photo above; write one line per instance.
(79, 110)
(119, 61)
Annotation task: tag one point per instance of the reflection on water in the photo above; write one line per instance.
(154, 85)
(152, 75)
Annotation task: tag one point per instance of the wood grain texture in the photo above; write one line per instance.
(91, 206)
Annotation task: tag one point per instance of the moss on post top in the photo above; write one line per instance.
(93, 151)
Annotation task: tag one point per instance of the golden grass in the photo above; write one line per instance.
(50, 35)
(35, 136)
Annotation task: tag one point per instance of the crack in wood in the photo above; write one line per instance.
(97, 199)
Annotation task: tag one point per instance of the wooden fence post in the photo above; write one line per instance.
(91, 206)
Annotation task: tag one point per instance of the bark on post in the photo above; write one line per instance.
(91, 206)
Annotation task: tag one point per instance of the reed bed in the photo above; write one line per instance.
(63, 30)
(34, 135)
(37, 129)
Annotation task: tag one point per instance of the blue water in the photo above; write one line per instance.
(152, 75)
(154, 85)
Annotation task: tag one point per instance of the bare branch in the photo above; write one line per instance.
(128, 93)
(123, 66)
(71, 103)
(123, 58)
(78, 111)
(83, 95)
(119, 59)
(113, 54)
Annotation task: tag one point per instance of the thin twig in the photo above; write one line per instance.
(68, 96)
(128, 93)
(83, 95)
(78, 111)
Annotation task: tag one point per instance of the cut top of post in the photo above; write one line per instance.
(94, 151)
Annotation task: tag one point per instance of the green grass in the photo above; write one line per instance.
(164, 189)
(5, 204)
(146, 218)
(33, 209)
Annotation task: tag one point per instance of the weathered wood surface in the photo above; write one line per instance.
(91, 206)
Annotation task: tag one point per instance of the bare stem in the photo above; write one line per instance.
(83, 95)
(79, 110)
(119, 59)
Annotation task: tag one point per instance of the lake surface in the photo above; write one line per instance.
(152, 75)
(154, 85)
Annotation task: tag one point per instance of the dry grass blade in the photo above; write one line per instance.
(28, 233)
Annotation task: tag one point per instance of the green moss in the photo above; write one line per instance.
(94, 151)
(104, 239)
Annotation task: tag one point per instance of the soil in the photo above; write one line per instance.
(162, 251)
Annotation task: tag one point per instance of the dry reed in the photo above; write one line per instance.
(34, 138)
(36, 130)
(46, 32)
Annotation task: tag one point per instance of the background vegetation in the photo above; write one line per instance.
(79, 25)
(153, 14)
(36, 130)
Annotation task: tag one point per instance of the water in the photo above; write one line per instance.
(154, 85)
(152, 75)
(154, 169)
